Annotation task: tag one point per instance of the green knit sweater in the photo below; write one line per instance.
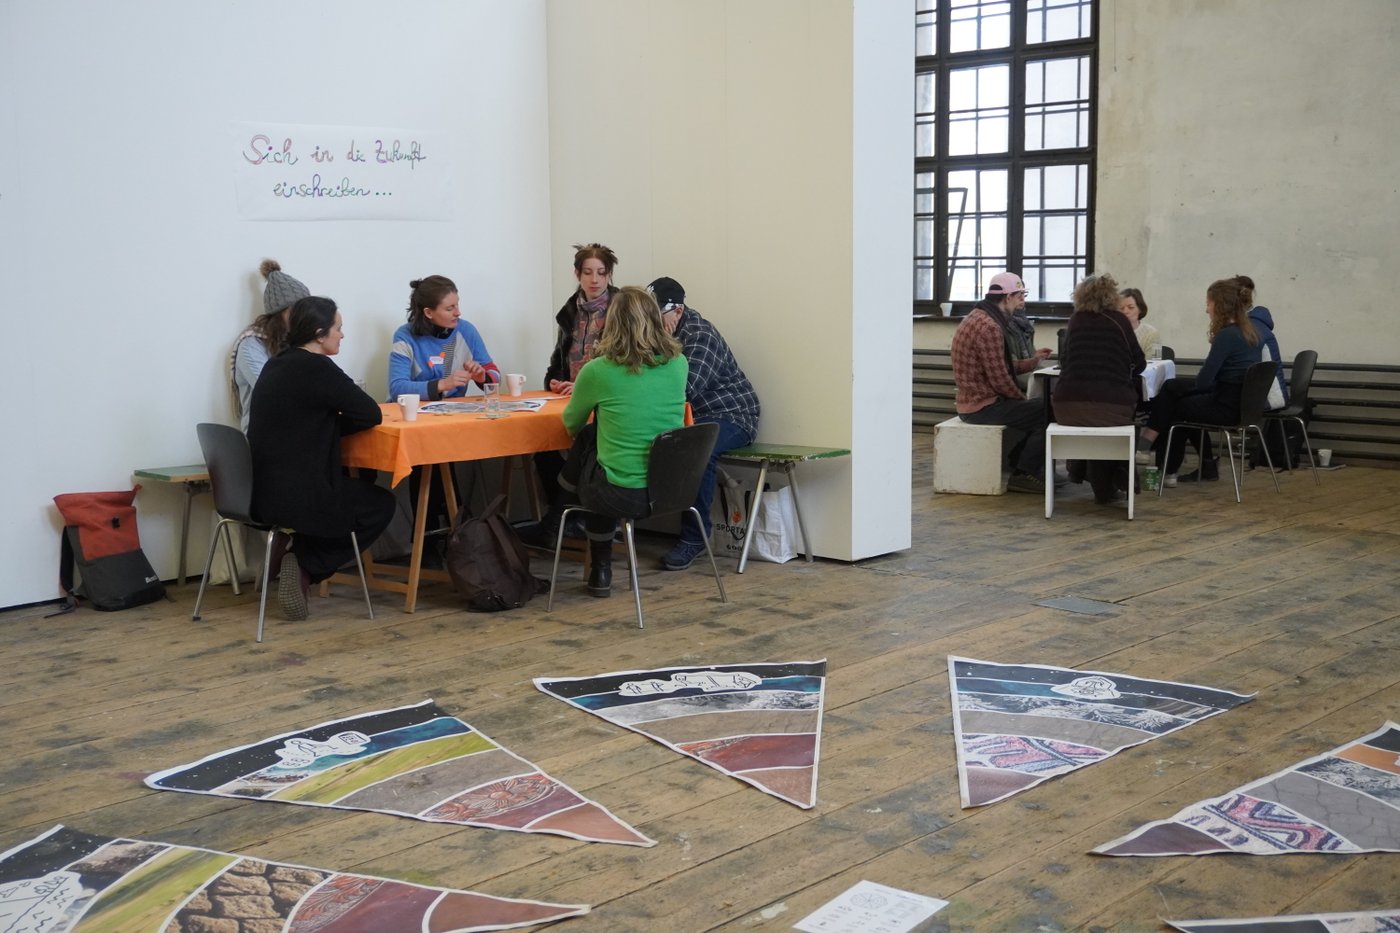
(632, 408)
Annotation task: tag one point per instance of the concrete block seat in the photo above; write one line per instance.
(968, 458)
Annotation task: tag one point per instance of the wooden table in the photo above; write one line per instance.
(397, 446)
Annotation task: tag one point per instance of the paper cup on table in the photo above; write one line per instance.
(1324, 457)
(515, 384)
(408, 404)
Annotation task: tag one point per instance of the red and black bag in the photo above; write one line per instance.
(100, 537)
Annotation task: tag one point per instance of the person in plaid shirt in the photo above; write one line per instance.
(718, 393)
(985, 370)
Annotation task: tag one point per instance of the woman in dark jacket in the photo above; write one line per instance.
(1099, 367)
(1213, 397)
(302, 405)
(580, 321)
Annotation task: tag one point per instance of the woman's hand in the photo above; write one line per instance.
(559, 387)
(453, 381)
(475, 371)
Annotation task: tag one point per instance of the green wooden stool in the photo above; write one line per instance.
(195, 479)
(785, 456)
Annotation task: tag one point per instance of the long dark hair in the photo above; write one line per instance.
(311, 317)
(427, 294)
(1231, 300)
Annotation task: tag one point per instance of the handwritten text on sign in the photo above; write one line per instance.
(292, 172)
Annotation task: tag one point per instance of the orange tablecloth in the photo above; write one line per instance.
(397, 446)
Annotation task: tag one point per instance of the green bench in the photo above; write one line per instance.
(195, 478)
(785, 457)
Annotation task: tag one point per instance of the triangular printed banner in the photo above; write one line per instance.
(415, 761)
(1016, 725)
(1340, 802)
(760, 723)
(66, 880)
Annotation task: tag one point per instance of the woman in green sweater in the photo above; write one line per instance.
(633, 389)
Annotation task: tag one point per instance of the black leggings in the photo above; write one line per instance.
(1180, 401)
(584, 481)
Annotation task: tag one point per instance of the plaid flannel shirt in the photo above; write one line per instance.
(980, 367)
(716, 387)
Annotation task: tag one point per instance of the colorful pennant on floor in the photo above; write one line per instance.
(414, 761)
(1343, 801)
(760, 723)
(1016, 725)
(67, 880)
(1371, 921)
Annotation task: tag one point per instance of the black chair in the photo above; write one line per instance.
(1168, 353)
(230, 465)
(1299, 385)
(1254, 397)
(674, 470)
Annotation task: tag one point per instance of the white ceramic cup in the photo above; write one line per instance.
(1324, 457)
(947, 308)
(515, 384)
(408, 404)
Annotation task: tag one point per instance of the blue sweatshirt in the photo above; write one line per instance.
(417, 362)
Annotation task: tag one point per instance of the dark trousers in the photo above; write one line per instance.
(730, 436)
(1023, 441)
(369, 508)
(584, 481)
(1179, 401)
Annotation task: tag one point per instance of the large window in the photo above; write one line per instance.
(1004, 148)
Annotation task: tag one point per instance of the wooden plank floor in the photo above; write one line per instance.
(1295, 596)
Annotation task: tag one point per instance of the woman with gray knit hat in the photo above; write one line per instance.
(265, 337)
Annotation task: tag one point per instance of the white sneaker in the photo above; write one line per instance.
(1145, 458)
(1169, 481)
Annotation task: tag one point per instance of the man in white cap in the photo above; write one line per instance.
(989, 352)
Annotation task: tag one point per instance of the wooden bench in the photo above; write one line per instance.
(195, 478)
(968, 458)
(786, 457)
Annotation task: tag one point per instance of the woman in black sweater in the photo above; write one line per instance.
(1099, 366)
(302, 405)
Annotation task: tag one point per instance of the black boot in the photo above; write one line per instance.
(600, 574)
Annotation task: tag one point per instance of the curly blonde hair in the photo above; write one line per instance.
(634, 336)
(1096, 294)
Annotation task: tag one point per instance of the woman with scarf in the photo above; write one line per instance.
(580, 324)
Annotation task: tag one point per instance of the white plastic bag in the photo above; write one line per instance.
(775, 538)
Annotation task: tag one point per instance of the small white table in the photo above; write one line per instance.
(1153, 378)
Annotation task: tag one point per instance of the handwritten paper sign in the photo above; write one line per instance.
(292, 172)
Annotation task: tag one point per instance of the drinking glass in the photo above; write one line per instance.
(493, 400)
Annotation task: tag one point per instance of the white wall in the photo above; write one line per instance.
(758, 153)
(125, 271)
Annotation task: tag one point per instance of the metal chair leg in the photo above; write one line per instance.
(228, 556)
(753, 510)
(1307, 443)
(1268, 458)
(791, 473)
(558, 546)
(360, 565)
(632, 567)
(714, 567)
(266, 576)
(208, 563)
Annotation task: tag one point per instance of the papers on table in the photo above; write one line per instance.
(478, 406)
(1153, 378)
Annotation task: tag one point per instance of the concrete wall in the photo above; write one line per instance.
(758, 153)
(126, 271)
(1257, 137)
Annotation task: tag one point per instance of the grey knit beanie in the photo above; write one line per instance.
(282, 290)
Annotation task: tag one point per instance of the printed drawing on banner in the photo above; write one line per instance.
(1089, 688)
(708, 681)
(300, 752)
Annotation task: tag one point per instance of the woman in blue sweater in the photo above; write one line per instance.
(1213, 397)
(437, 354)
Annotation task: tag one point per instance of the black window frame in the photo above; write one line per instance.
(1016, 160)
